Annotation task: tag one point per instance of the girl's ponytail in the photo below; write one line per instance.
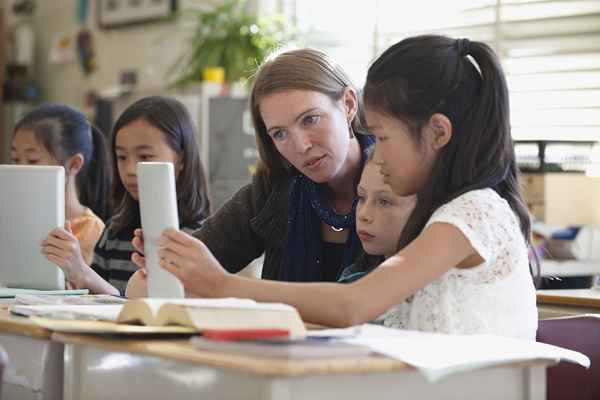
(491, 113)
(94, 181)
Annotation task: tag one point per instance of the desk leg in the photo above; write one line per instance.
(536, 382)
(35, 369)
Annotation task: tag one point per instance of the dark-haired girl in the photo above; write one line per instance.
(151, 129)
(56, 134)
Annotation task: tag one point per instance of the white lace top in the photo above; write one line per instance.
(495, 297)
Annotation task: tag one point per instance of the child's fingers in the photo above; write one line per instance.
(138, 245)
(57, 261)
(62, 244)
(63, 234)
(138, 260)
(53, 251)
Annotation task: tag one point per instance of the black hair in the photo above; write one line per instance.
(64, 132)
(463, 80)
(170, 117)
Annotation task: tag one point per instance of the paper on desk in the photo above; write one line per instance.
(12, 292)
(106, 312)
(439, 355)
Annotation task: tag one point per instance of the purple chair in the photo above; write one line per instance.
(3, 365)
(580, 333)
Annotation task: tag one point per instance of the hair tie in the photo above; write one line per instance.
(463, 46)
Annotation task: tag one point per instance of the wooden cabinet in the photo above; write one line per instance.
(562, 198)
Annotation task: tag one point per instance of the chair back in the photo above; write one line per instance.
(580, 333)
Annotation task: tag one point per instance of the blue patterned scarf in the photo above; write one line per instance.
(308, 206)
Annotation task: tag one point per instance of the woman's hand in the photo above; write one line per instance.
(61, 247)
(192, 263)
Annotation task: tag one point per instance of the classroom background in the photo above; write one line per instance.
(100, 56)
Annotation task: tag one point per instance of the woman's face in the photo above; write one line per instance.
(27, 150)
(140, 141)
(310, 130)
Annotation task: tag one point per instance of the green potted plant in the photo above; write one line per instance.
(230, 38)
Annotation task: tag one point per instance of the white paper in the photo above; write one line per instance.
(439, 355)
(108, 312)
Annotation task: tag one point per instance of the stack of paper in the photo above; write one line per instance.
(439, 355)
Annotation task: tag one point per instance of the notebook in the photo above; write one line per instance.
(158, 211)
(33, 203)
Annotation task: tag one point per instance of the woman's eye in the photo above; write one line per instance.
(32, 162)
(279, 135)
(384, 202)
(120, 158)
(360, 199)
(311, 119)
(145, 157)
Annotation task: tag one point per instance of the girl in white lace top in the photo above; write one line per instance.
(439, 110)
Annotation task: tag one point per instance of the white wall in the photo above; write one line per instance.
(151, 49)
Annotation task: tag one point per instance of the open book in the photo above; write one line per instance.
(166, 315)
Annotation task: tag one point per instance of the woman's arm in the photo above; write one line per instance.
(438, 249)
(230, 233)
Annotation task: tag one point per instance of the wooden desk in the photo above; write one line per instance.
(564, 302)
(105, 368)
(35, 369)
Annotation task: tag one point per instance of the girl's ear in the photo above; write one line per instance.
(179, 164)
(74, 164)
(439, 131)
(350, 100)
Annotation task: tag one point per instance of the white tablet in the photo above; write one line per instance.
(158, 211)
(32, 203)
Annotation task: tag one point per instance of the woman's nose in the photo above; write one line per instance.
(302, 141)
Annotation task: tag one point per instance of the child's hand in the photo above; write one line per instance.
(138, 241)
(137, 256)
(192, 263)
(61, 247)
(137, 286)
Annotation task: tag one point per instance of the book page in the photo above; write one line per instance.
(147, 309)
